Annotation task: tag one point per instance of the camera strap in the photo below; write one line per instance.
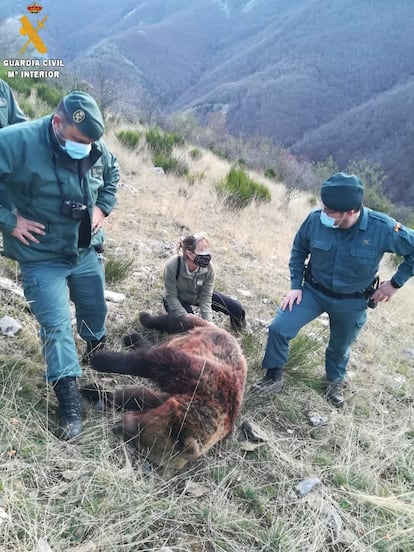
(85, 226)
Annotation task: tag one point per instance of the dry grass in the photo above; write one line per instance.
(98, 495)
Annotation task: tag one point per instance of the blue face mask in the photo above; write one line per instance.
(76, 150)
(330, 222)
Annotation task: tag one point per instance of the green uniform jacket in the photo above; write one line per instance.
(347, 261)
(39, 177)
(195, 288)
(10, 112)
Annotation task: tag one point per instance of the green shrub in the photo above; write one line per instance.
(304, 357)
(182, 168)
(220, 152)
(325, 169)
(238, 189)
(373, 178)
(170, 164)
(51, 96)
(177, 139)
(21, 85)
(116, 271)
(195, 154)
(128, 138)
(160, 142)
(193, 178)
(167, 162)
(28, 109)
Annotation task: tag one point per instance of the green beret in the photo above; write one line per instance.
(342, 192)
(83, 112)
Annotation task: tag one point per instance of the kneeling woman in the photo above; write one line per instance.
(189, 280)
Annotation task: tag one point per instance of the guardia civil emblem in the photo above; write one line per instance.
(78, 116)
(32, 32)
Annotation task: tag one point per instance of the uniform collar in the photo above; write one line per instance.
(363, 221)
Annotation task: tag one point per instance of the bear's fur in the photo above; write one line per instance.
(201, 376)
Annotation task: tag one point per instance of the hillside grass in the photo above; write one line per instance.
(100, 495)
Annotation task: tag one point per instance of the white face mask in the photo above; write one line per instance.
(330, 222)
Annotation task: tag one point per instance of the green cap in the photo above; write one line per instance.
(342, 192)
(83, 112)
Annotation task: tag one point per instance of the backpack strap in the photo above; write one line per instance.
(178, 267)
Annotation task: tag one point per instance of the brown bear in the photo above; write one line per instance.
(201, 375)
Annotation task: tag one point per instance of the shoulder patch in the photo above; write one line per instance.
(97, 171)
(397, 227)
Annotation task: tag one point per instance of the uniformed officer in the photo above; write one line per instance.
(62, 180)
(342, 244)
(10, 113)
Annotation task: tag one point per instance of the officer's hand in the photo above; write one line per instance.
(97, 219)
(294, 296)
(384, 292)
(25, 230)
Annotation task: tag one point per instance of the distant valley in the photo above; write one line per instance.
(320, 78)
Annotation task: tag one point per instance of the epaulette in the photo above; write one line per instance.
(382, 217)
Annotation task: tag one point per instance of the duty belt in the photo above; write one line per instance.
(366, 293)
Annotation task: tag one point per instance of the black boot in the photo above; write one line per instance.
(272, 382)
(334, 393)
(91, 347)
(70, 408)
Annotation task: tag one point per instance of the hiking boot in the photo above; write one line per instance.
(70, 408)
(334, 393)
(91, 347)
(271, 384)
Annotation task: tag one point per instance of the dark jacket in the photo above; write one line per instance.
(347, 260)
(10, 112)
(40, 177)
